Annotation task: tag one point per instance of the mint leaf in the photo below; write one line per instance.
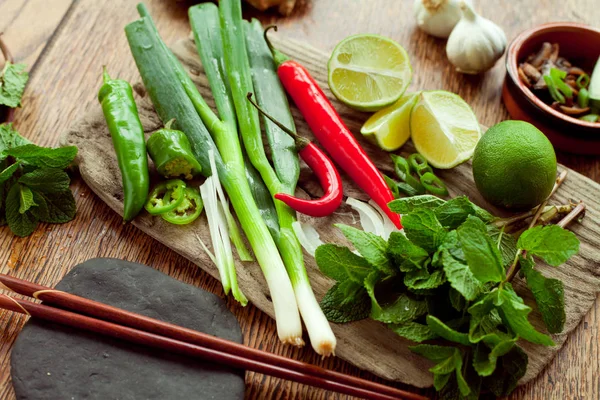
(481, 253)
(408, 205)
(413, 331)
(44, 157)
(505, 242)
(41, 211)
(445, 332)
(423, 229)
(10, 138)
(457, 300)
(402, 309)
(61, 206)
(422, 279)
(514, 312)
(512, 367)
(25, 199)
(13, 78)
(457, 271)
(454, 212)
(339, 263)
(372, 247)
(21, 224)
(47, 180)
(549, 296)
(402, 250)
(449, 359)
(346, 302)
(485, 358)
(551, 243)
(8, 172)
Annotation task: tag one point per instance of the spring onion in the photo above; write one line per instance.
(370, 220)
(583, 81)
(558, 77)
(590, 118)
(173, 97)
(556, 95)
(583, 98)
(388, 225)
(308, 236)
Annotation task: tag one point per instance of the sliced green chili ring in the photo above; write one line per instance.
(556, 95)
(583, 98)
(408, 189)
(433, 184)
(590, 118)
(165, 197)
(403, 171)
(392, 184)
(188, 211)
(417, 163)
(583, 81)
(558, 77)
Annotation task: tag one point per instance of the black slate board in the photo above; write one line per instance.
(54, 362)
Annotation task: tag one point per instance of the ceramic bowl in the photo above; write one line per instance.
(579, 44)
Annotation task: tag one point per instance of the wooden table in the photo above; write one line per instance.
(66, 43)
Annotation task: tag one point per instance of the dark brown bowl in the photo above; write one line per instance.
(580, 44)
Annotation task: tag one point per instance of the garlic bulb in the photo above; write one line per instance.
(476, 43)
(437, 17)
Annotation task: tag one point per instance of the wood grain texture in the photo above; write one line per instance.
(64, 85)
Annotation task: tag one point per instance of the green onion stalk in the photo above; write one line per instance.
(247, 56)
(175, 96)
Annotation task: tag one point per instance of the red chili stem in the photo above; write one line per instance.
(317, 160)
(332, 133)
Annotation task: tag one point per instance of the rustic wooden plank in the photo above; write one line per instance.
(64, 85)
(367, 344)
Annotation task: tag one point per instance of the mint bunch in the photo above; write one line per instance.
(33, 184)
(13, 78)
(445, 278)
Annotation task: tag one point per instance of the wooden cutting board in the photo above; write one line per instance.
(367, 344)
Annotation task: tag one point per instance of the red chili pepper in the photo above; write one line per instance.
(330, 130)
(328, 176)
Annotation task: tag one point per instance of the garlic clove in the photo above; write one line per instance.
(476, 43)
(437, 17)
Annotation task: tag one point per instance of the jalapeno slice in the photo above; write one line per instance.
(189, 209)
(165, 197)
(433, 184)
(403, 171)
(419, 164)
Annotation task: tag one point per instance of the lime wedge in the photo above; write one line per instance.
(444, 129)
(389, 128)
(368, 72)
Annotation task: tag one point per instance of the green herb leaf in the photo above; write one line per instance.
(422, 279)
(505, 242)
(339, 263)
(444, 331)
(423, 229)
(403, 251)
(413, 331)
(549, 296)
(47, 180)
(13, 78)
(372, 247)
(8, 172)
(457, 300)
(485, 357)
(61, 207)
(44, 157)
(21, 224)
(26, 199)
(481, 253)
(10, 138)
(457, 271)
(408, 205)
(346, 302)
(454, 212)
(449, 359)
(551, 243)
(402, 309)
(512, 367)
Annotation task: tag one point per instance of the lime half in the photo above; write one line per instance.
(368, 72)
(389, 128)
(444, 129)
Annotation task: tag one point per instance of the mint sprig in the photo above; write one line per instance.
(33, 185)
(447, 277)
(13, 78)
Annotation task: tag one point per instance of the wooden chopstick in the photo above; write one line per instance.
(151, 332)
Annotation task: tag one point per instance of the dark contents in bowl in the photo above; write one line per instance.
(559, 83)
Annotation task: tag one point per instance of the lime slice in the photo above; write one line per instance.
(389, 128)
(368, 72)
(444, 129)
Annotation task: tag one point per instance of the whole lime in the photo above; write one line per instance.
(514, 165)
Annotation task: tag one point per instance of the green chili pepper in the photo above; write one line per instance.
(165, 197)
(121, 114)
(583, 98)
(590, 118)
(393, 185)
(556, 95)
(172, 153)
(419, 164)
(188, 211)
(403, 171)
(433, 184)
(583, 81)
